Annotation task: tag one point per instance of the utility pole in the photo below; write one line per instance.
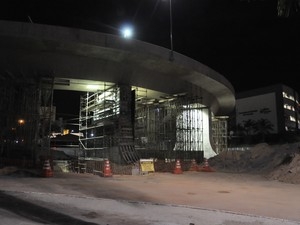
(171, 56)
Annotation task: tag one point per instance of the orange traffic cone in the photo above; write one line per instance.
(194, 165)
(107, 170)
(47, 171)
(177, 169)
(206, 167)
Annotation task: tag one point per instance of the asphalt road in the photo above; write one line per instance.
(191, 198)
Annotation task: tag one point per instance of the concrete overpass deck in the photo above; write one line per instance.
(76, 57)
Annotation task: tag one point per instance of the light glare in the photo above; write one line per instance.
(127, 32)
(93, 87)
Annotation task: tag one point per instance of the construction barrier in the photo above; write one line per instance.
(47, 171)
(106, 169)
(206, 167)
(147, 165)
(61, 166)
(177, 169)
(194, 166)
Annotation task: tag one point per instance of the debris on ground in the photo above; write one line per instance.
(276, 162)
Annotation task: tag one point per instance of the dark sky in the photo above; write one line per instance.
(244, 40)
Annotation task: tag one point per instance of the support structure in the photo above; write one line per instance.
(27, 113)
(106, 121)
(176, 117)
(122, 123)
(219, 134)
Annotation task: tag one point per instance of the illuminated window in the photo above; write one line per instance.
(285, 95)
(292, 119)
(289, 107)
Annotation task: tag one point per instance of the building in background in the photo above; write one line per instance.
(274, 109)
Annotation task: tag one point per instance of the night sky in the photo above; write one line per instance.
(244, 40)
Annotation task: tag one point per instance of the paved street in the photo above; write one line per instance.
(156, 199)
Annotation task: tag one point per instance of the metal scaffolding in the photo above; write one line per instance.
(174, 123)
(123, 123)
(107, 125)
(118, 121)
(26, 112)
(219, 134)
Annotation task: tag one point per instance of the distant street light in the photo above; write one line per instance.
(21, 122)
(20, 131)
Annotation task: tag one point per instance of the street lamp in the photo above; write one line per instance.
(171, 56)
(21, 123)
(127, 32)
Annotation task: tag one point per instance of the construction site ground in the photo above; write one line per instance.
(241, 190)
(231, 192)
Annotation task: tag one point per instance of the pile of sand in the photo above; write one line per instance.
(276, 162)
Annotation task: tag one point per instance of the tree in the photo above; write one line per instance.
(249, 127)
(287, 8)
(263, 127)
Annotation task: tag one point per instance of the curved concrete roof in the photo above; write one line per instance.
(62, 52)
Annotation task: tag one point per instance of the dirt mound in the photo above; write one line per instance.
(277, 162)
(289, 172)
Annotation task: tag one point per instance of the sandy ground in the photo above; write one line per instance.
(276, 162)
(238, 193)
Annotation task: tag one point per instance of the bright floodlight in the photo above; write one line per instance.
(127, 32)
(93, 87)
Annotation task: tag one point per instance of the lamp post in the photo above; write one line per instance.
(171, 56)
(21, 123)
